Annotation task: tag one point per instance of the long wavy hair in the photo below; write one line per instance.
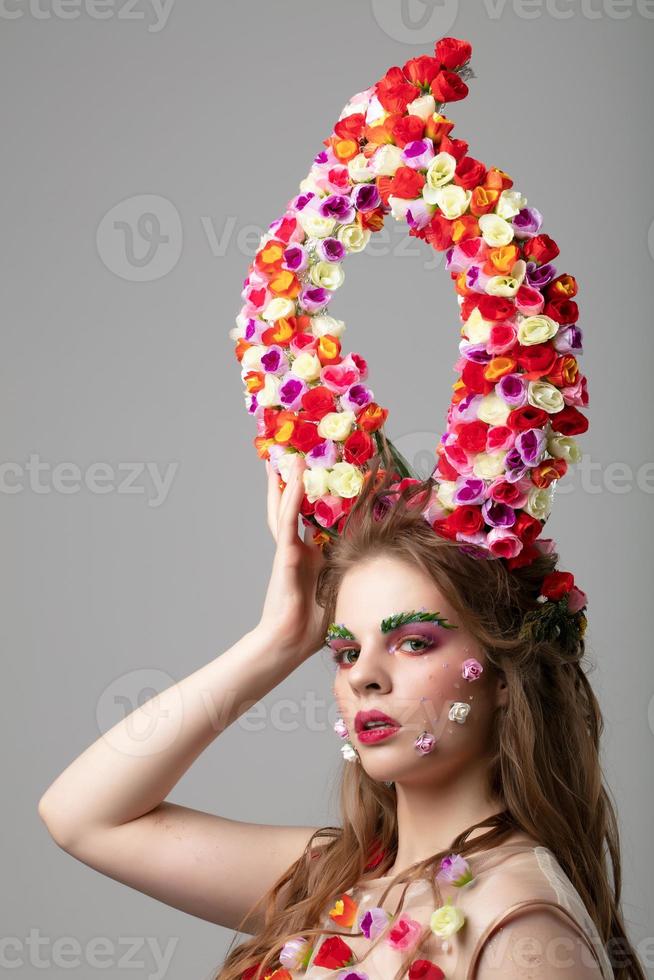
(547, 777)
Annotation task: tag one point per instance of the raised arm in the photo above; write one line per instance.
(108, 807)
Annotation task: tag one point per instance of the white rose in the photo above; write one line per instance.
(310, 184)
(545, 396)
(358, 169)
(269, 394)
(345, 480)
(459, 711)
(564, 447)
(251, 360)
(509, 203)
(439, 172)
(315, 482)
(307, 366)
(314, 223)
(477, 329)
(452, 200)
(510, 284)
(488, 465)
(330, 275)
(386, 160)
(537, 329)
(349, 752)
(322, 324)
(277, 308)
(336, 425)
(539, 502)
(493, 409)
(424, 106)
(495, 230)
(445, 493)
(353, 236)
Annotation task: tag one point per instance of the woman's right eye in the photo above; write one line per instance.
(337, 656)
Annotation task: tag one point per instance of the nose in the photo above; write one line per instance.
(370, 670)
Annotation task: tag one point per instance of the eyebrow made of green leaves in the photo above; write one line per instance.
(340, 630)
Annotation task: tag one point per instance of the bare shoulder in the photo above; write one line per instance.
(540, 943)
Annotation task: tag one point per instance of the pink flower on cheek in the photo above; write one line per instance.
(471, 669)
(404, 934)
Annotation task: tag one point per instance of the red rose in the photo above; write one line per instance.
(422, 70)
(540, 249)
(471, 436)
(448, 87)
(407, 183)
(456, 148)
(474, 380)
(407, 129)
(425, 970)
(527, 417)
(490, 307)
(305, 436)
(526, 527)
(352, 127)
(569, 422)
(537, 360)
(467, 518)
(562, 310)
(469, 173)
(557, 584)
(438, 233)
(318, 401)
(445, 468)
(394, 92)
(358, 447)
(333, 953)
(452, 52)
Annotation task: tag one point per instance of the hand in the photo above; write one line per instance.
(290, 613)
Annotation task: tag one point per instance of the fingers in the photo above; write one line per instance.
(287, 530)
(272, 499)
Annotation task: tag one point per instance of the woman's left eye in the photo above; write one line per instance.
(423, 644)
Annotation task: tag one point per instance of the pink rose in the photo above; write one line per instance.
(471, 669)
(404, 934)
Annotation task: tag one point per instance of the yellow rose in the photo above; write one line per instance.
(537, 329)
(488, 465)
(320, 325)
(307, 366)
(563, 447)
(446, 920)
(315, 224)
(542, 395)
(278, 307)
(452, 200)
(507, 285)
(327, 274)
(336, 425)
(424, 106)
(539, 502)
(509, 203)
(445, 493)
(493, 409)
(354, 237)
(439, 172)
(315, 482)
(386, 160)
(345, 480)
(269, 394)
(477, 329)
(495, 230)
(358, 169)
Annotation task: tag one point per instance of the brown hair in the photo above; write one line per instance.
(548, 777)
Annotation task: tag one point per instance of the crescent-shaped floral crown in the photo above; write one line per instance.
(514, 411)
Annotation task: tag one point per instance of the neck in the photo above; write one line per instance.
(430, 816)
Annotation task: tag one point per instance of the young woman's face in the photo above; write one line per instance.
(419, 673)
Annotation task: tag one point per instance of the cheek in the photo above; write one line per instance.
(444, 683)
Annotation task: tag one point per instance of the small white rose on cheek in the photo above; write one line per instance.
(459, 711)
(471, 669)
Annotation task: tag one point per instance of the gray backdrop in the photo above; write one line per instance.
(135, 547)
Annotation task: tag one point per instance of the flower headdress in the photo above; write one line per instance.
(514, 411)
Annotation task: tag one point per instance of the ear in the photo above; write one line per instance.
(501, 691)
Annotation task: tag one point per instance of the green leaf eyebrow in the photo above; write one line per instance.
(340, 630)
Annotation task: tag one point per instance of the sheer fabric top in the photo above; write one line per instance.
(519, 874)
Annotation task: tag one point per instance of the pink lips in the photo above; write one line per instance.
(379, 732)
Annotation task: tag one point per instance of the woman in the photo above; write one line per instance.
(494, 816)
